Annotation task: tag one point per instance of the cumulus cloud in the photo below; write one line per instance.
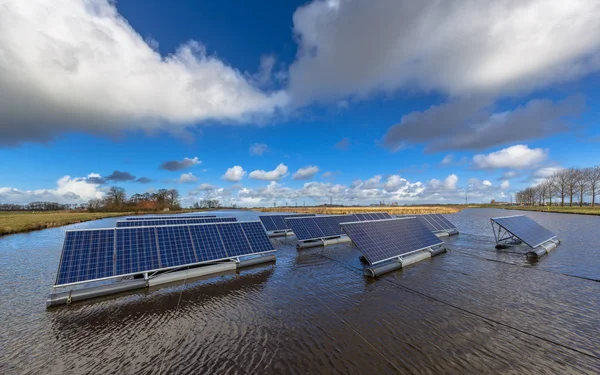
(234, 174)
(187, 178)
(279, 172)
(306, 173)
(119, 176)
(176, 165)
(258, 149)
(457, 48)
(67, 190)
(79, 66)
(515, 157)
(470, 124)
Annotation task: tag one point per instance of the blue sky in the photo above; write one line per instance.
(296, 102)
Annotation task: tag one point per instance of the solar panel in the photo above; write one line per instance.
(433, 222)
(309, 228)
(85, 255)
(90, 255)
(164, 217)
(383, 240)
(372, 216)
(277, 222)
(525, 229)
(152, 223)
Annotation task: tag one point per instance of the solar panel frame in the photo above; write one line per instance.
(162, 267)
(367, 234)
(509, 225)
(168, 217)
(151, 223)
(318, 227)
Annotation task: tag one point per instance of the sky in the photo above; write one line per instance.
(258, 103)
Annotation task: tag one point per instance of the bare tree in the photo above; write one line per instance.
(572, 177)
(561, 182)
(594, 182)
(117, 196)
(582, 184)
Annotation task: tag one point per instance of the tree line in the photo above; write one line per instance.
(116, 200)
(567, 186)
(40, 206)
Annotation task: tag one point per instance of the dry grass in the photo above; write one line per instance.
(18, 222)
(352, 210)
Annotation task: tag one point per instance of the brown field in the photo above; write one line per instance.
(25, 221)
(352, 210)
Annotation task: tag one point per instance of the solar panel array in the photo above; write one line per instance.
(525, 229)
(383, 240)
(373, 216)
(277, 222)
(90, 255)
(153, 223)
(433, 222)
(170, 217)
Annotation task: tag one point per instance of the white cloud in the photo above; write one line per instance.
(486, 183)
(258, 149)
(274, 175)
(327, 174)
(306, 173)
(504, 47)
(67, 190)
(79, 66)
(450, 182)
(234, 174)
(448, 159)
(187, 178)
(504, 185)
(516, 157)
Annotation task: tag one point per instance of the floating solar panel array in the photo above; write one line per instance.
(318, 227)
(526, 230)
(383, 240)
(274, 223)
(436, 223)
(153, 223)
(170, 217)
(92, 255)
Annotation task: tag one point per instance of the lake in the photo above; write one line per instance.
(474, 309)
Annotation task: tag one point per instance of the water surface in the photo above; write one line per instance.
(472, 310)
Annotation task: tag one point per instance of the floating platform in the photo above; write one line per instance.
(515, 230)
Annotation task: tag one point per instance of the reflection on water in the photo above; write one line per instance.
(473, 310)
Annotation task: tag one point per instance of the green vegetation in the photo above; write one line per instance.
(23, 221)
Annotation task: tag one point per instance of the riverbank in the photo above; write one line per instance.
(396, 210)
(12, 222)
(559, 210)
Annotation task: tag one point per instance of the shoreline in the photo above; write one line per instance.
(589, 211)
(15, 222)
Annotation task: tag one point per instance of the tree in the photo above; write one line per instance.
(593, 176)
(561, 181)
(572, 177)
(582, 184)
(116, 196)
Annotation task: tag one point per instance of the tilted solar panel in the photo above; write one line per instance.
(152, 223)
(525, 229)
(309, 228)
(383, 240)
(277, 222)
(90, 255)
(170, 217)
(433, 222)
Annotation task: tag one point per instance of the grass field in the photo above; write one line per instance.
(562, 210)
(353, 210)
(19, 221)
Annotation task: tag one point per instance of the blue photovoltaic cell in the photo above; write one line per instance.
(153, 223)
(277, 222)
(207, 242)
(234, 240)
(433, 222)
(255, 233)
(382, 240)
(175, 246)
(136, 250)
(308, 228)
(86, 255)
(168, 217)
(97, 254)
(525, 229)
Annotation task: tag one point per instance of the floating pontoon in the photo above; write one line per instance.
(514, 230)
